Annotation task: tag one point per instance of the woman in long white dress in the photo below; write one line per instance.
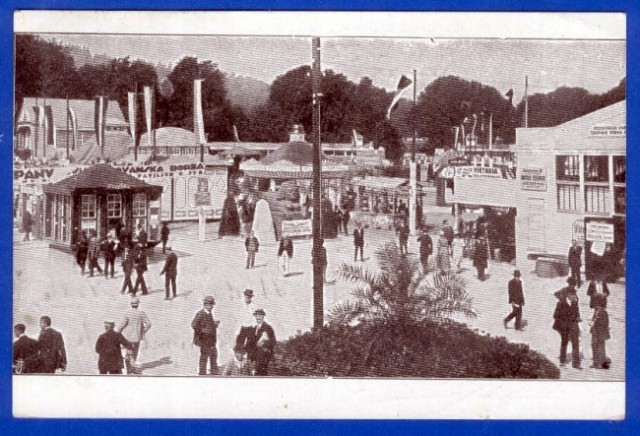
(458, 251)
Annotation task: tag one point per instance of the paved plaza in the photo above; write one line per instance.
(48, 282)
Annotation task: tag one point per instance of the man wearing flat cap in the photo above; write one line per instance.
(109, 351)
(516, 300)
(263, 344)
(205, 336)
(566, 322)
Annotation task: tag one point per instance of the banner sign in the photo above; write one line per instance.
(598, 231)
(471, 171)
(152, 171)
(533, 179)
(295, 228)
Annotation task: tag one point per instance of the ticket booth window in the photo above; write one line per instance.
(139, 210)
(114, 206)
(88, 212)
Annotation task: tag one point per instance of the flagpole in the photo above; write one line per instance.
(526, 102)
(490, 131)
(153, 119)
(135, 125)
(318, 268)
(413, 118)
(67, 126)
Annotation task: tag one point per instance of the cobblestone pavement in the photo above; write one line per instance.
(48, 282)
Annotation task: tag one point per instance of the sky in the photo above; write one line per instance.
(596, 65)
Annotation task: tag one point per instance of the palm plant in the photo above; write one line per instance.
(400, 292)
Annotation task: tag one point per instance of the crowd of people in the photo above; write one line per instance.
(253, 350)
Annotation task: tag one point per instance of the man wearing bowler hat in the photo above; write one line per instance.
(205, 336)
(264, 343)
(566, 322)
(516, 300)
(108, 348)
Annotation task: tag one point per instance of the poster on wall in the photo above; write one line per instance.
(533, 179)
(598, 231)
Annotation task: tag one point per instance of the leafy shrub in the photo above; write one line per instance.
(425, 349)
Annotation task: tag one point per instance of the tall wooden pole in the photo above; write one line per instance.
(413, 168)
(526, 102)
(67, 127)
(413, 118)
(318, 273)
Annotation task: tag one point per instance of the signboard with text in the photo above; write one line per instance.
(533, 179)
(608, 130)
(598, 231)
(471, 171)
(296, 228)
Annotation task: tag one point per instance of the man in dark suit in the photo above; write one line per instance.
(140, 264)
(51, 345)
(127, 269)
(574, 258)
(566, 322)
(205, 336)
(109, 250)
(25, 352)
(108, 348)
(426, 248)
(261, 349)
(358, 242)
(170, 271)
(516, 300)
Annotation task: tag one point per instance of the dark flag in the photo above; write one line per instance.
(509, 94)
(403, 86)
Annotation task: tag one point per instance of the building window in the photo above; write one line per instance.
(88, 206)
(595, 199)
(596, 168)
(620, 199)
(114, 206)
(139, 205)
(568, 168)
(568, 198)
(619, 169)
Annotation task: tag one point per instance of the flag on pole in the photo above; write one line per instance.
(74, 128)
(236, 137)
(148, 101)
(100, 118)
(358, 139)
(509, 95)
(131, 98)
(198, 120)
(403, 85)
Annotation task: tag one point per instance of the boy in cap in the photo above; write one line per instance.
(205, 336)
(516, 300)
(265, 342)
(134, 326)
(108, 348)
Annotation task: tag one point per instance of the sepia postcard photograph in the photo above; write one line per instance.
(349, 205)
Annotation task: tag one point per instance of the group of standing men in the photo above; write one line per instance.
(254, 344)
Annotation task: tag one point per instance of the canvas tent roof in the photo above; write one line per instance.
(101, 176)
(298, 153)
(383, 183)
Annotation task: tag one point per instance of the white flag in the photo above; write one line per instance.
(198, 120)
(403, 85)
(131, 96)
(148, 101)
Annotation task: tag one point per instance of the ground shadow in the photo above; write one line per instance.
(293, 274)
(150, 365)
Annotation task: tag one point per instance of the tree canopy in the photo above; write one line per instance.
(47, 69)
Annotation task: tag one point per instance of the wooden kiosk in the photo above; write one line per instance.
(100, 198)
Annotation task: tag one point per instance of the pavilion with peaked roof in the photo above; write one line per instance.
(99, 198)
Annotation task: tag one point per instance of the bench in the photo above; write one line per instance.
(551, 267)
